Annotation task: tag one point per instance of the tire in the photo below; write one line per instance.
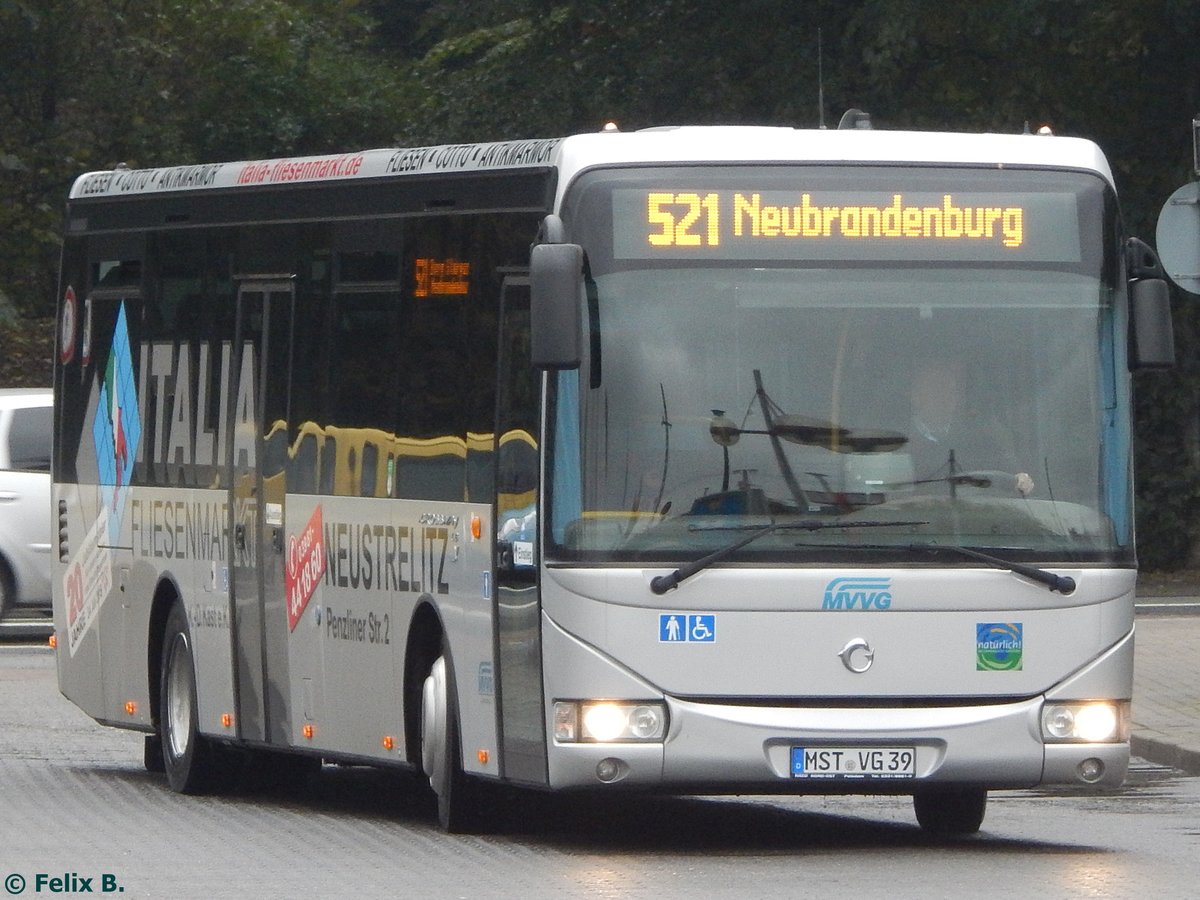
(462, 801)
(193, 764)
(950, 810)
(8, 591)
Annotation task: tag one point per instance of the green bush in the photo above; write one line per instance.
(26, 353)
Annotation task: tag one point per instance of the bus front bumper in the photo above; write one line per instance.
(734, 748)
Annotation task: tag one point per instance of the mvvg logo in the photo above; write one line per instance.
(858, 592)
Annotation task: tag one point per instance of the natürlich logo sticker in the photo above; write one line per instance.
(999, 646)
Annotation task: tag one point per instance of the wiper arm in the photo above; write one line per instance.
(1064, 584)
(660, 584)
(974, 479)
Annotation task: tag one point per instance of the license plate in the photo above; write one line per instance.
(854, 762)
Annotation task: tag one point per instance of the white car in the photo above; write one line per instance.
(26, 422)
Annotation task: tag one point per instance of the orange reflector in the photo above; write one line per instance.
(130, 708)
(476, 527)
(226, 719)
(308, 731)
(53, 641)
(389, 742)
(483, 757)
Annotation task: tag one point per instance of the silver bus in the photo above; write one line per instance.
(700, 460)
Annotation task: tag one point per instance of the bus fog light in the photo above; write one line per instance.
(1090, 723)
(1090, 770)
(610, 769)
(607, 721)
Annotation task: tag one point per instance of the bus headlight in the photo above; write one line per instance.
(606, 721)
(1094, 722)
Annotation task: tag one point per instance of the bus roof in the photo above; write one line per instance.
(571, 155)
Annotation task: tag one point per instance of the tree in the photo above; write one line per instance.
(91, 84)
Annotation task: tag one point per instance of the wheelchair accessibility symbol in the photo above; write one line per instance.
(687, 628)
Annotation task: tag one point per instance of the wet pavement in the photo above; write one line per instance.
(1166, 672)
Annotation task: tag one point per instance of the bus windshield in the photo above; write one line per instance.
(889, 362)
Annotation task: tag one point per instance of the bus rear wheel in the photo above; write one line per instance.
(190, 760)
(461, 799)
(950, 809)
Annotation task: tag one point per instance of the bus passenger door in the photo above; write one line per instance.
(257, 454)
(518, 610)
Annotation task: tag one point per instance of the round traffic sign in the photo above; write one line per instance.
(1178, 237)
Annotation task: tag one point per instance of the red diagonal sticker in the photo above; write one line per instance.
(305, 567)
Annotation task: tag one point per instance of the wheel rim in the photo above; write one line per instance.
(179, 697)
(433, 724)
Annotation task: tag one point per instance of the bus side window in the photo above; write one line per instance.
(517, 422)
(432, 422)
(302, 466)
(363, 392)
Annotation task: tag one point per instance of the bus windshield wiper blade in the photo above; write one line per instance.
(1064, 584)
(660, 584)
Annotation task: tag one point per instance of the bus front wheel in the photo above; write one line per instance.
(460, 798)
(950, 809)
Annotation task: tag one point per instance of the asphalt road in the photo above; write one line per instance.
(77, 804)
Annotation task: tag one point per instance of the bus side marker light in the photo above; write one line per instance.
(53, 641)
(483, 756)
(476, 528)
(389, 742)
(130, 708)
(308, 731)
(566, 722)
(226, 719)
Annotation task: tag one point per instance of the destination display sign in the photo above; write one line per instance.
(441, 277)
(749, 222)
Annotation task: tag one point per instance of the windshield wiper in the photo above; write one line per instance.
(660, 584)
(1064, 584)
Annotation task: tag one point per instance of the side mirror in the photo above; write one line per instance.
(1151, 336)
(555, 305)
